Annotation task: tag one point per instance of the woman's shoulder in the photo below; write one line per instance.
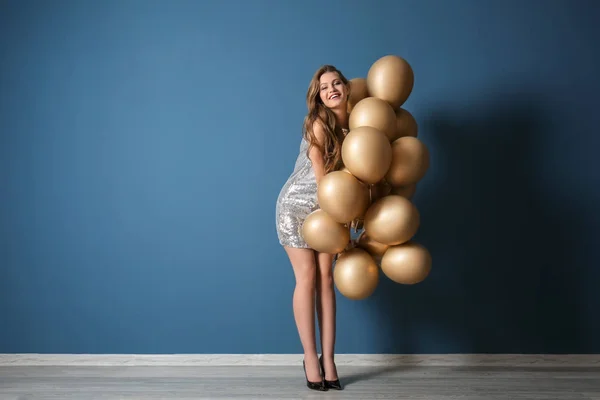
(318, 130)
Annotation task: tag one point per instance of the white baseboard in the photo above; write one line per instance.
(501, 360)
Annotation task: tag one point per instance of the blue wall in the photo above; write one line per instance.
(143, 145)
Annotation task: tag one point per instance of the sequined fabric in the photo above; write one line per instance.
(296, 200)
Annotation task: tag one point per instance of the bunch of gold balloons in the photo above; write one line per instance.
(383, 162)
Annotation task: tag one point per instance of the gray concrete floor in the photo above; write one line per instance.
(365, 383)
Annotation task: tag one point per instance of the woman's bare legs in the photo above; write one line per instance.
(304, 265)
(326, 311)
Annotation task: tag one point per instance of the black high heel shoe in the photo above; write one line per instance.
(314, 385)
(329, 384)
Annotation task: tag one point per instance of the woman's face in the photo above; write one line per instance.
(333, 92)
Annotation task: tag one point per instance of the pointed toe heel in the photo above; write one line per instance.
(335, 385)
(319, 386)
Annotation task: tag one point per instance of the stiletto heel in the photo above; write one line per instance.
(329, 384)
(313, 385)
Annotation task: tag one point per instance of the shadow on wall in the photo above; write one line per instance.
(502, 278)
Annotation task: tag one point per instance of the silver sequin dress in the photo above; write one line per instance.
(296, 200)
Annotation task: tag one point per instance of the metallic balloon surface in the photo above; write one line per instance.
(358, 91)
(376, 113)
(379, 190)
(391, 78)
(356, 274)
(392, 220)
(323, 234)
(375, 249)
(406, 124)
(407, 191)
(410, 161)
(367, 154)
(407, 263)
(342, 196)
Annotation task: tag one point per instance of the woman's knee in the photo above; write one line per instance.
(326, 279)
(306, 277)
(325, 269)
(304, 265)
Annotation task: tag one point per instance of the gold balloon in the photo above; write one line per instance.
(375, 249)
(342, 196)
(392, 220)
(410, 161)
(379, 190)
(407, 191)
(323, 234)
(406, 124)
(407, 263)
(367, 154)
(358, 91)
(376, 113)
(356, 274)
(391, 78)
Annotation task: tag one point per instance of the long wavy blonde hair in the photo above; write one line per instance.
(317, 111)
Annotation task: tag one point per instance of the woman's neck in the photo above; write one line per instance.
(341, 117)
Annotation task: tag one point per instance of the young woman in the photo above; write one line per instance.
(324, 128)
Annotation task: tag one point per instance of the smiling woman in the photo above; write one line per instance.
(327, 100)
(320, 152)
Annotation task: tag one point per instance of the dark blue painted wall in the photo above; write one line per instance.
(143, 145)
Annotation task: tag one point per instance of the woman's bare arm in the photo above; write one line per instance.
(316, 156)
